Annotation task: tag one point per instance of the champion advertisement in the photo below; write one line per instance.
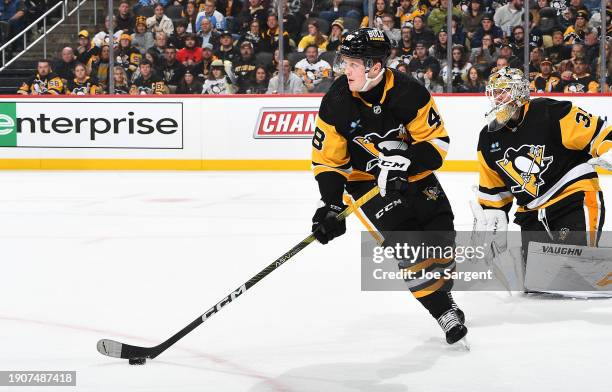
(131, 125)
(294, 123)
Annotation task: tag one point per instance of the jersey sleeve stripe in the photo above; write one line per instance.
(488, 177)
(495, 197)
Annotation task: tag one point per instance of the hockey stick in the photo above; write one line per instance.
(116, 349)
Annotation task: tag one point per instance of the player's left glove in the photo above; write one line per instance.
(325, 223)
(393, 174)
(604, 160)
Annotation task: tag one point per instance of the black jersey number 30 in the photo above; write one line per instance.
(583, 117)
(433, 118)
(317, 139)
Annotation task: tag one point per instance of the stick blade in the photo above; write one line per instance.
(110, 348)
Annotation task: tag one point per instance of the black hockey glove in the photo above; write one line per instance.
(393, 176)
(325, 225)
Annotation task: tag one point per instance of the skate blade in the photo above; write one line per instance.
(464, 344)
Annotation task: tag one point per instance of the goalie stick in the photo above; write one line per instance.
(116, 349)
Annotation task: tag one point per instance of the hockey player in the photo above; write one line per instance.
(541, 152)
(374, 118)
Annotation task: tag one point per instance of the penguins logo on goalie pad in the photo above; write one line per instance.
(373, 143)
(525, 166)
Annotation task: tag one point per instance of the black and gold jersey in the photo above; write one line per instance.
(152, 85)
(542, 160)
(352, 128)
(581, 84)
(47, 85)
(88, 87)
(546, 84)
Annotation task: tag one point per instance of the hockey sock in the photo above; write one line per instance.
(437, 303)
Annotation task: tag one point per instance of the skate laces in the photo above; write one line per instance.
(448, 320)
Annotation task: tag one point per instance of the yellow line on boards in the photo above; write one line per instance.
(191, 164)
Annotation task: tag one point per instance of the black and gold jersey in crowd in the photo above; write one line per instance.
(581, 84)
(544, 159)
(48, 85)
(546, 84)
(88, 87)
(151, 85)
(352, 128)
(128, 58)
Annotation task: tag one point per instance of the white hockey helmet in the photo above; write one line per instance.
(507, 90)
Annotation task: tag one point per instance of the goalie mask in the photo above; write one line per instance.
(507, 90)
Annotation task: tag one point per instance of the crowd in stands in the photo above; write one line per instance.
(232, 46)
(15, 15)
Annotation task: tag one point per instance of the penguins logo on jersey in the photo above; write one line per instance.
(81, 90)
(373, 143)
(525, 166)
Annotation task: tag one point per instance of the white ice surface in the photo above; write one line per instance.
(136, 256)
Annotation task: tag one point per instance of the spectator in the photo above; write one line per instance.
(191, 17)
(438, 50)
(409, 9)
(147, 83)
(581, 81)
(509, 15)
(102, 38)
(269, 38)
(405, 44)
(178, 38)
(534, 12)
(591, 46)
(483, 57)
(558, 51)
(437, 17)
(341, 8)
(292, 83)
(125, 21)
(127, 56)
(205, 64)
(336, 35)
(420, 61)
(394, 58)
(160, 22)
(380, 8)
(460, 68)
(171, 70)
(81, 83)
(161, 41)
(86, 51)
(487, 27)
(244, 66)
(508, 51)
(209, 36)
(388, 27)
(44, 82)
(142, 39)
(546, 81)
(458, 37)
(403, 67)
(259, 83)
(99, 68)
(535, 58)
(568, 16)
(421, 33)
(190, 54)
(254, 11)
(210, 12)
(472, 18)
(13, 12)
(120, 81)
(500, 63)
(253, 35)
(314, 37)
(64, 68)
(311, 69)
(517, 41)
(226, 51)
(474, 83)
(432, 81)
(217, 82)
(189, 84)
(575, 33)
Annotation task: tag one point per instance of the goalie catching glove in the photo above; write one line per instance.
(325, 223)
(393, 175)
